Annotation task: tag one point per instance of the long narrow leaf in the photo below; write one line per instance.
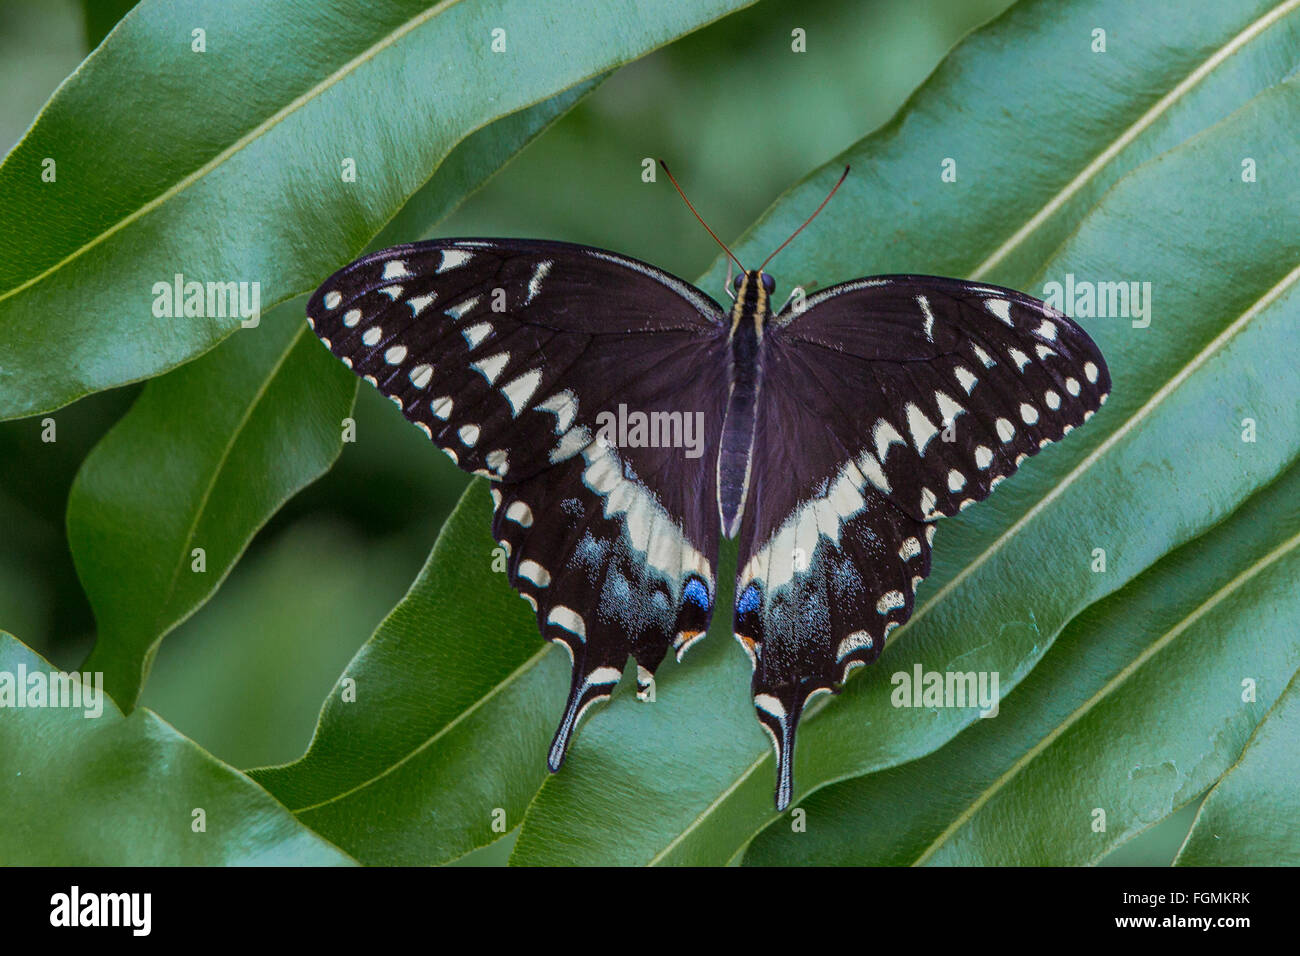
(1249, 818)
(177, 153)
(1165, 656)
(83, 788)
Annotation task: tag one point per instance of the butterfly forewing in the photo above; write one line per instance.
(886, 404)
(507, 353)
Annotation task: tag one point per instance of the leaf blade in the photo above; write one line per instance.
(114, 791)
(449, 737)
(1249, 817)
(128, 219)
(1158, 622)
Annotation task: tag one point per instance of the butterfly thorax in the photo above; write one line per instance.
(745, 368)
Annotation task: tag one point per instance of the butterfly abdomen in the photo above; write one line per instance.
(745, 370)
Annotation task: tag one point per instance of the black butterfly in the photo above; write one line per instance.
(836, 431)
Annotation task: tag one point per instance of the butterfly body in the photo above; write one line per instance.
(831, 439)
(749, 314)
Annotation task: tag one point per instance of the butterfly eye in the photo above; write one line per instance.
(769, 283)
(735, 283)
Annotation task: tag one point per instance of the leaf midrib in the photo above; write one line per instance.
(202, 504)
(238, 145)
(1103, 692)
(445, 729)
(1215, 345)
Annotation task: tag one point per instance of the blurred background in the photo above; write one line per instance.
(245, 676)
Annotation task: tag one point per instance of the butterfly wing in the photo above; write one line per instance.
(886, 404)
(511, 355)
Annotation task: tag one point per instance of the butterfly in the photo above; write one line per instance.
(626, 422)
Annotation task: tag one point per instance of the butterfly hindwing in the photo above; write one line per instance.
(609, 573)
(509, 355)
(886, 404)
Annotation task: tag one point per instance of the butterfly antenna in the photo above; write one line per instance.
(673, 180)
(843, 176)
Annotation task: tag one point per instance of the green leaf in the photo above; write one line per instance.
(1249, 818)
(453, 702)
(472, 163)
(138, 584)
(1167, 654)
(110, 790)
(1039, 127)
(1012, 572)
(247, 426)
(212, 166)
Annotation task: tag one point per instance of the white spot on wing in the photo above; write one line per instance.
(418, 302)
(469, 435)
(965, 377)
(332, 300)
(441, 407)
(890, 600)
(885, 435)
(351, 318)
(520, 514)
(519, 391)
(948, 408)
(420, 375)
(564, 406)
(452, 258)
(491, 366)
(1001, 308)
(395, 270)
(458, 310)
(924, 303)
(535, 283)
(870, 469)
(567, 618)
(922, 428)
(476, 333)
(534, 572)
(395, 355)
(372, 335)
(858, 640)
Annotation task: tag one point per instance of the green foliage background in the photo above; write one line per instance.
(744, 121)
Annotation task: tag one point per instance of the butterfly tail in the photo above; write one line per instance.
(779, 714)
(588, 686)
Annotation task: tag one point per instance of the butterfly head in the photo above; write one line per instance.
(754, 280)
